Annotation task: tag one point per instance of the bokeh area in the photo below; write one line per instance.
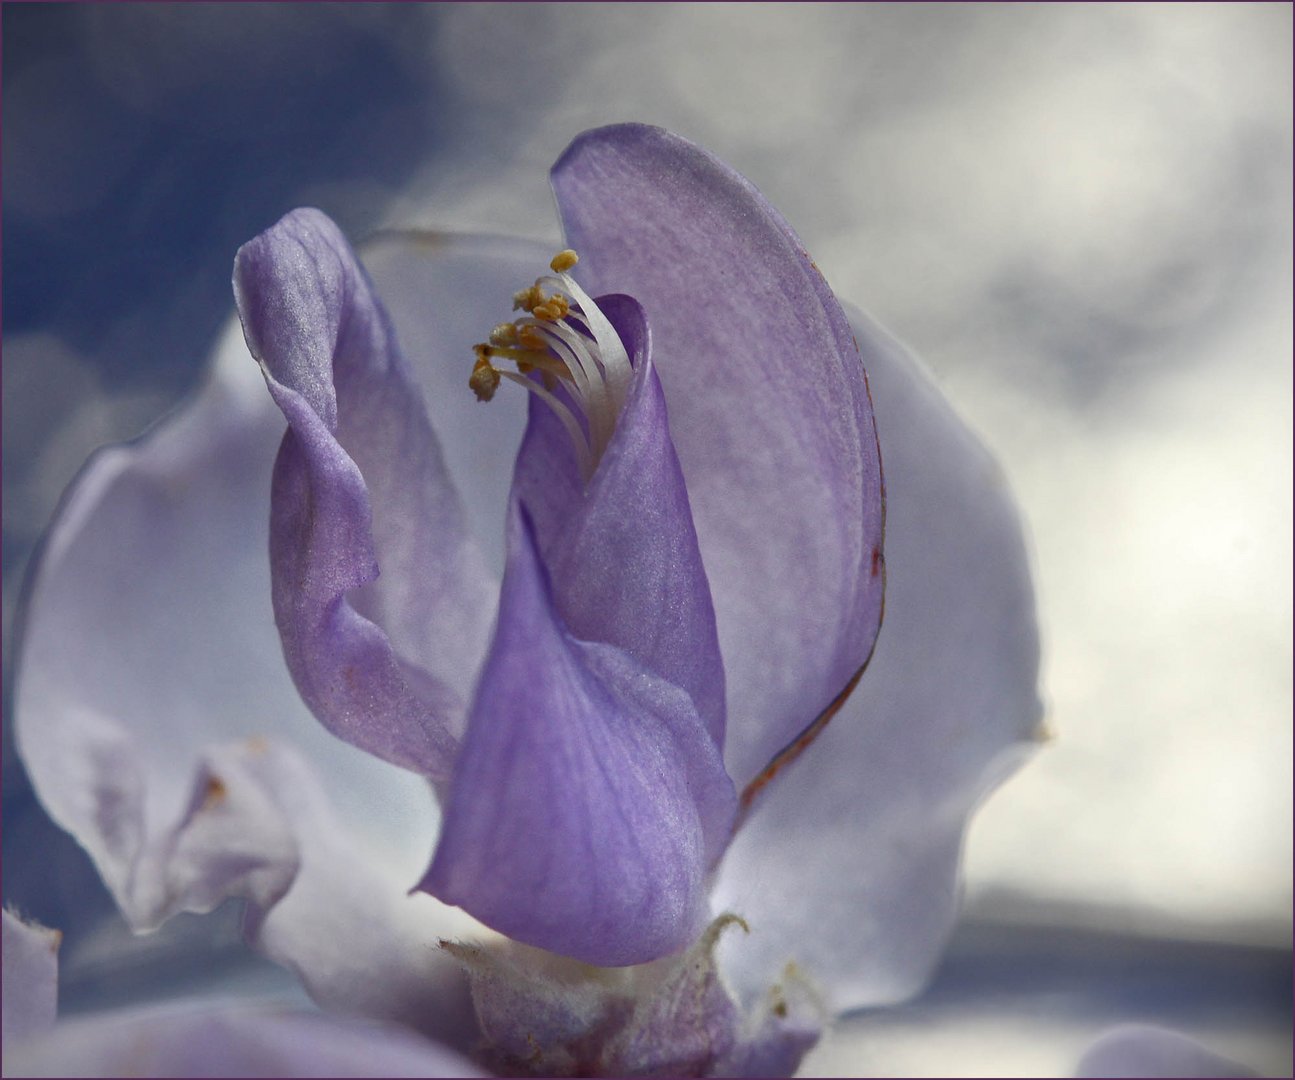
(1079, 215)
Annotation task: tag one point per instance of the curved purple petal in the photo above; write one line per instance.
(381, 597)
(29, 998)
(588, 799)
(849, 864)
(229, 1040)
(769, 410)
(622, 555)
(1144, 1051)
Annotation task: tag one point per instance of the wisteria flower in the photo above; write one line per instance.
(637, 676)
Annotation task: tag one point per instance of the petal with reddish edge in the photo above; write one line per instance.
(1146, 1051)
(622, 554)
(229, 1040)
(769, 409)
(381, 597)
(30, 967)
(588, 796)
(849, 863)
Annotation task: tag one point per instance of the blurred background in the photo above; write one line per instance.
(1079, 215)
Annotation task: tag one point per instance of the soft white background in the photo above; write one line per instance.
(1079, 215)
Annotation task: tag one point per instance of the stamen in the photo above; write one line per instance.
(484, 380)
(568, 342)
(526, 299)
(564, 261)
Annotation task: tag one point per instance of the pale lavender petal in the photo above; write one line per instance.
(231, 839)
(230, 1040)
(381, 597)
(588, 798)
(623, 555)
(147, 637)
(769, 410)
(29, 997)
(849, 865)
(151, 696)
(1140, 1050)
(349, 926)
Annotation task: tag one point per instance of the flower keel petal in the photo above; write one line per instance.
(623, 554)
(587, 794)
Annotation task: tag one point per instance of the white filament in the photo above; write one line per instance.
(600, 372)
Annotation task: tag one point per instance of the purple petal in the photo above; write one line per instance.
(588, 798)
(769, 410)
(1141, 1050)
(623, 555)
(849, 866)
(230, 1040)
(30, 967)
(360, 490)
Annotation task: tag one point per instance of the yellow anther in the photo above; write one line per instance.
(529, 337)
(564, 261)
(553, 308)
(504, 334)
(484, 380)
(528, 298)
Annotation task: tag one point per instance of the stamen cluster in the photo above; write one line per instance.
(566, 353)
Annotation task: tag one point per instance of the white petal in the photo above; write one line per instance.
(229, 1040)
(30, 966)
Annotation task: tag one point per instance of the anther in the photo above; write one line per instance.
(504, 334)
(564, 261)
(484, 380)
(527, 298)
(566, 342)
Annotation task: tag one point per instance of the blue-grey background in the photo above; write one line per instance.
(1079, 215)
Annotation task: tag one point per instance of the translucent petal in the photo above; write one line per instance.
(849, 863)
